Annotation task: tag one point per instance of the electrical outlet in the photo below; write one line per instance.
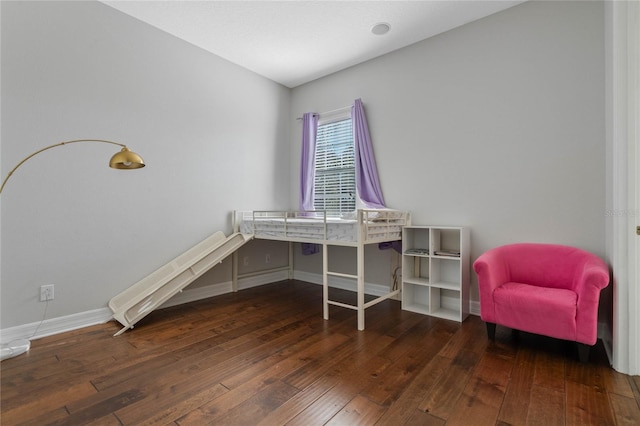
(246, 261)
(267, 258)
(46, 292)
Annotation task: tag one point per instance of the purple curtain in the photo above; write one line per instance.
(307, 170)
(307, 163)
(367, 182)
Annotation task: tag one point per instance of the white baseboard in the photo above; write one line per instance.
(262, 279)
(99, 316)
(191, 295)
(341, 283)
(474, 307)
(607, 340)
(66, 323)
(57, 325)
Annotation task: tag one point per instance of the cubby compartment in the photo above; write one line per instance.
(435, 271)
(416, 269)
(415, 298)
(445, 273)
(415, 242)
(444, 303)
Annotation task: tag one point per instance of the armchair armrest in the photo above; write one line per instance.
(593, 277)
(492, 272)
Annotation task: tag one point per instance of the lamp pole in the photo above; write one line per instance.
(125, 159)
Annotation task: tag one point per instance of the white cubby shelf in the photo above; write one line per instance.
(436, 271)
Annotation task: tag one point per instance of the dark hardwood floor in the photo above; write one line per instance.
(265, 356)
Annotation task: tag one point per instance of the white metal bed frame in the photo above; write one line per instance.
(373, 227)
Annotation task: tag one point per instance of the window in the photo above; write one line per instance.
(335, 173)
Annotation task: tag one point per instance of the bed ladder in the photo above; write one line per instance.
(360, 305)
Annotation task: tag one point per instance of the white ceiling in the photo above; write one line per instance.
(294, 42)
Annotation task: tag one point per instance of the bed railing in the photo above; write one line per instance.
(382, 225)
(373, 225)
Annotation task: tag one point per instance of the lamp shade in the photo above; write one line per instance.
(126, 159)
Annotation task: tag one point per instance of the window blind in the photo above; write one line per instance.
(335, 177)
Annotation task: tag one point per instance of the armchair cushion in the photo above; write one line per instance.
(551, 309)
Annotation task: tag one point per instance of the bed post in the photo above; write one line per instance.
(234, 272)
(360, 266)
(362, 224)
(290, 260)
(234, 257)
(325, 281)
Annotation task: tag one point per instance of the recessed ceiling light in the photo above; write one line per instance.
(380, 28)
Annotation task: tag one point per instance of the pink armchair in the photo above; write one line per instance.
(546, 289)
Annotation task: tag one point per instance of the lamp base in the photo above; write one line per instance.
(14, 348)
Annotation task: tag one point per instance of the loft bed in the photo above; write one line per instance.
(357, 230)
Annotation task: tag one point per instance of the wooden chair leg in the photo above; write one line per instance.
(491, 331)
(583, 352)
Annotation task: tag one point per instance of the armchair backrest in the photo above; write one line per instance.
(544, 265)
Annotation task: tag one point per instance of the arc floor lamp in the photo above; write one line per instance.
(125, 159)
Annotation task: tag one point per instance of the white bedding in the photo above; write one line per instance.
(337, 229)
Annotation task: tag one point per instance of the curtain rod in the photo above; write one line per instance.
(330, 112)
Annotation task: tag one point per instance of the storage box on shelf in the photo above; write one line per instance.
(436, 271)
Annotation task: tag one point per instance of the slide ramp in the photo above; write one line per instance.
(149, 293)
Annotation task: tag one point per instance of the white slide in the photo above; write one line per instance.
(149, 293)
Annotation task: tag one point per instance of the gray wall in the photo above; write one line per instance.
(214, 136)
(497, 125)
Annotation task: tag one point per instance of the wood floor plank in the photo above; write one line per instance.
(304, 350)
(108, 420)
(28, 406)
(40, 418)
(589, 374)
(265, 356)
(169, 410)
(405, 410)
(359, 411)
(361, 349)
(587, 405)
(368, 365)
(165, 402)
(248, 388)
(61, 372)
(203, 354)
(617, 383)
(483, 395)
(420, 418)
(296, 404)
(218, 375)
(101, 409)
(546, 407)
(470, 338)
(443, 396)
(549, 371)
(634, 382)
(517, 397)
(322, 409)
(259, 405)
(410, 357)
(352, 381)
(626, 410)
